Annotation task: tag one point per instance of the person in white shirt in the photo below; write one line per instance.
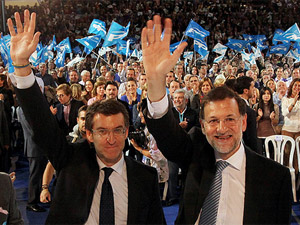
(248, 194)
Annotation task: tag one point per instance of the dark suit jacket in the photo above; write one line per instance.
(268, 194)
(250, 134)
(190, 115)
(75, 105)
(9, 212)
(79, 171)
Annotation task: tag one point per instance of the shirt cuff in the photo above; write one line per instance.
(22, 82)
(157, 110)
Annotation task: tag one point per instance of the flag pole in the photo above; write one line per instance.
(101, 58)
(233, 57)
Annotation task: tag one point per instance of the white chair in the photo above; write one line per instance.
(279, 143)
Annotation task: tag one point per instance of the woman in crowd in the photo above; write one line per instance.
(87, 92)
(131, 96)
(271, 84)
(290, 106)
(76, 92)
(98, 92)
(267, 114)
(205, 86)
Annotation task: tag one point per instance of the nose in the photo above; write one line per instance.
(221, 128)
(110, 138)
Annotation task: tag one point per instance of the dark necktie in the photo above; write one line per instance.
(107, 211)
(211, 203)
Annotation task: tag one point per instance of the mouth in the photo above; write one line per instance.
(223, 137)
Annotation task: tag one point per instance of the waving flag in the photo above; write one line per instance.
(121, 47)
(64, 45)
(249, 38)
(6, 40)
(236, 45)
(135, 53)
(220, 49)
(116, 33)
(52, 44)
(4, 52)
(278, 37)
(60, 60)
(34, 59)
(39, 47)
(219, 58)
(194, 30)
(74, 61)
(87, 50)
(260, 45)
(292, 34)
(77, 50)
(102, 51)
(280, 49)
(188, 55)
(98, 27)
(200, 46)
(90, 42)
(257, 52)
(174, 46)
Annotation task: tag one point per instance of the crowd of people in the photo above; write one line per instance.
(270, 89)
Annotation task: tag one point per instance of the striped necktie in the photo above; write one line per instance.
(211, 202)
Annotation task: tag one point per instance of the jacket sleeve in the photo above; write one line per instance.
(46, 133)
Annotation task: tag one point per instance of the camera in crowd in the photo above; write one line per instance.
(139, 137)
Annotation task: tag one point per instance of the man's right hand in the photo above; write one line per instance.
(24, 42)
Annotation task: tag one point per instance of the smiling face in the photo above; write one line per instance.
(109, 148)
(100, 90)
(89, 86)
(296, 88)
(224, 137)
(205, 88)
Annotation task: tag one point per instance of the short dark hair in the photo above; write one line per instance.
(131, 79)
(221, 93)
(114, 83)
(82, 108)
(242, 83)
(106, 107)
(231, 84)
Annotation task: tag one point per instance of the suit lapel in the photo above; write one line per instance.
(252, 188)
(134, 191)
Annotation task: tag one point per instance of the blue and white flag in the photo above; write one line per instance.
(34, 59)
(174, 46)
(188, 55)
(116, 33)
(219, 58)
(220, 49)
(280, 49)
(236, 45)
(121, 47)
(257, 52)
(6, 39)
(64, 45)
(77, 50)
(278, 37)
(5, 53)
(250, 57)
(98, 27)
(292, 34)
(249, 38)
(261, 45)
(60, 60)
(77, 59)
(200, 46)
(135, 53)
(194, 30)
(39, 47)
(90, 42)
(102, 51)
(87, 50)
(52, 44)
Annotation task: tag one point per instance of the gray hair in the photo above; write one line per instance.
(186, 96)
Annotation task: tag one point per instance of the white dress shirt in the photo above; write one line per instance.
(118, 180)
(232, 197)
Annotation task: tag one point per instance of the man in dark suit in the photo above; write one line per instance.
(81, 166)
(67, 110)
(244, 87)
(250, 189)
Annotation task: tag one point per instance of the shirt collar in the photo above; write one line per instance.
(236, 160)
(118, 167)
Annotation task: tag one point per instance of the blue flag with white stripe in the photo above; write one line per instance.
(292, 34)
(220, 49)
(90, 42)
(115, 33)
(188, 55)
(77, 50)
(60, 60)
(98, 27)
(194, 30)
(64, 45)
(280, 49)
(236, 45)
(122, 47)
(52, 44)
(200, 46)
(174, 46)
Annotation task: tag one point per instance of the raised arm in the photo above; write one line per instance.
(24, 42)
(156, 56)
